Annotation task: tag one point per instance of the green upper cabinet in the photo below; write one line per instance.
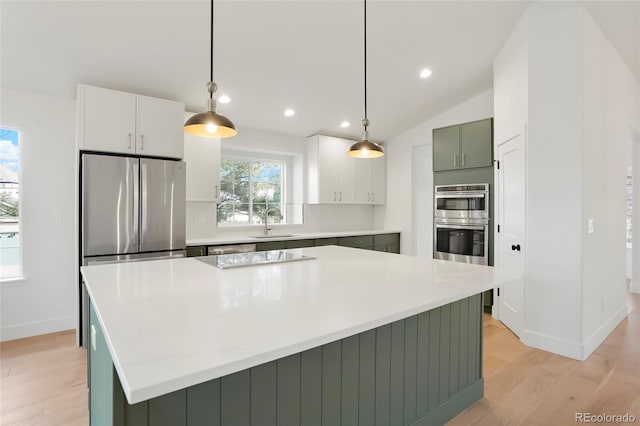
(463, 146)
(476, 144)
(446, 148)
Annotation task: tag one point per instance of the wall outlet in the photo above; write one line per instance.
(57, 220)
(590, 226)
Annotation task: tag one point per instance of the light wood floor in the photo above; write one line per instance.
(43, 380)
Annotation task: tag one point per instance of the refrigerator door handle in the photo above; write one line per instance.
(144, 184)
(135, 203)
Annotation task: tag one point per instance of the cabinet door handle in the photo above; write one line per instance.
(341, 196)
(141, 142)
(129, 147)
(335, 196)
(368, 196)
(463, 159)
(373, 197)
(455, 160)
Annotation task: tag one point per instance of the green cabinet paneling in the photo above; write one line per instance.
(463, 146)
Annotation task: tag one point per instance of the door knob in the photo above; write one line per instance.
(515, 247)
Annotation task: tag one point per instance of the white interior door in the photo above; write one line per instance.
(511, 237)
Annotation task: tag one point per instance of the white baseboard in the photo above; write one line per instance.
(29, 329)
(635, 287)
(572, 349)
(552, 344)
(601, 333)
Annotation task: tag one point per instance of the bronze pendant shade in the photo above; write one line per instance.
(365, 148)
(209, 123)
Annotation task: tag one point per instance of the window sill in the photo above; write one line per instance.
(13, 281)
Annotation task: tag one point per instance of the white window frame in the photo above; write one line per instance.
(19, 277)
(253, 157)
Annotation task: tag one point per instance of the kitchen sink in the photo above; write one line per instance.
(272, 236)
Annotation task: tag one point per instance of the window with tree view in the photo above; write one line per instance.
(9, 200)
(250, 189)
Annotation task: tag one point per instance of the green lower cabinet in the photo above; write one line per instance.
(361, 242)
(325, 242)
(421, 370)
(194, 251)
(271, 245)
(299, 243)
(382, 242)
(389, 243)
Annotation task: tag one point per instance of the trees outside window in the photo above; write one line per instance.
(250, 187)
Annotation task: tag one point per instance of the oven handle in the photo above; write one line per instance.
(470, 227)
(460, 195)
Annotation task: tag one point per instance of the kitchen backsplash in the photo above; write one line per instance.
(201, 220)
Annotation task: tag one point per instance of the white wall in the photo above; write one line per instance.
(317, 218)
(559, 75)
(554, 182)
(610, 106)
(398, 211)
(635, 242)
(45, 301)
(422, 184)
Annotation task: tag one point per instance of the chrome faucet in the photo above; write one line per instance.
(266, 218)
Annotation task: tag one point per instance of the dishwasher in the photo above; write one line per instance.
(231, 249)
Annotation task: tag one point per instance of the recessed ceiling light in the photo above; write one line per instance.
(425, 73)
(289, 112)
(345, 124)
(224, 99)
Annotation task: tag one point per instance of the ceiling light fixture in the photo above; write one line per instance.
(345, 124)
(289, 112)
(209, 123)
(365, 148)
(425, 73)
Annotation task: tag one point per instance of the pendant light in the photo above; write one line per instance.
(365, 148)
(209, 123)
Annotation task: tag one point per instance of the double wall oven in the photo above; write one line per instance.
(461, 223)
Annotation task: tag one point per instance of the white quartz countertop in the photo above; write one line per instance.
(170, 324)
(273, 236)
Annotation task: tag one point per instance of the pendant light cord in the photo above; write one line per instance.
(365, 62)
(211, 64)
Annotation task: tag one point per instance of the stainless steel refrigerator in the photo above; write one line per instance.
(132, 208)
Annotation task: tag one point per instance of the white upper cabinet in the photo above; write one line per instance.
(378, 180)
(370, 180)
(107, 120)
(330, 171)
(160, 127)
(113, 121)
(202, 156)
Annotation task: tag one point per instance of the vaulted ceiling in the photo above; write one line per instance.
(273, 55)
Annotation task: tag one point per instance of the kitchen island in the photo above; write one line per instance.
(351, 337)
